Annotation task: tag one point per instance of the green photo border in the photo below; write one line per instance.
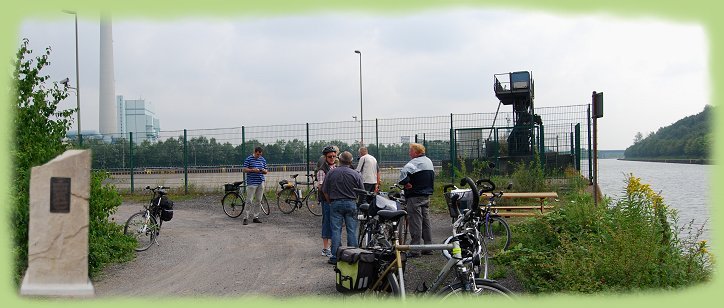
(704, 13)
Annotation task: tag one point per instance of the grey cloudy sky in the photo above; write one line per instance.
(227, 72)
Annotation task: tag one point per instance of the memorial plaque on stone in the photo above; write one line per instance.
(59, 195)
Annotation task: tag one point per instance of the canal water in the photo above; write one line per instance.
(685, 187)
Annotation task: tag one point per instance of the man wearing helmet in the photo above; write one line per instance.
(330, 156)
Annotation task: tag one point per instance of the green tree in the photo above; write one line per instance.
(39, 128)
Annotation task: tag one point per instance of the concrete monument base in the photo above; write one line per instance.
(57, 289)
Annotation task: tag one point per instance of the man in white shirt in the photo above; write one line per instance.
(367, 166)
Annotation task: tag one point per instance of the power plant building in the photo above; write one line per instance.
(137, 116)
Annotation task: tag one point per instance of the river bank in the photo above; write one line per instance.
(695, 161)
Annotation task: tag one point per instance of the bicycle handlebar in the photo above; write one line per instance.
(485, 188)
(476, 193)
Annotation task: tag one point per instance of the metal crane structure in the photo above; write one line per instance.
(517, 89)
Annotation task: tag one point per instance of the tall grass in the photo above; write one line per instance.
(630, 244)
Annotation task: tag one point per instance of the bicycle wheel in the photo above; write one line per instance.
(497, 235)
(144, 233)
(364, 235)
(404, 229)
(392, 285)
(265, 204)
(485, 288)
(286, 201)
(313, 204)
(233, 204)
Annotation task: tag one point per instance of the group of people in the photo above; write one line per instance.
(337, 180)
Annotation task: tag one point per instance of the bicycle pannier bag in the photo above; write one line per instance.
(355, 269)
(166, 208)
(230, 187)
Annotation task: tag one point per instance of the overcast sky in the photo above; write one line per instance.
(220, 73)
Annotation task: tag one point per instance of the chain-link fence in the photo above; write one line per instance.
(205, 159)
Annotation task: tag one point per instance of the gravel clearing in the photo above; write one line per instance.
(203, 252)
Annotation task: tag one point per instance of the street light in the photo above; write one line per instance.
(361, 119)
(77, 75)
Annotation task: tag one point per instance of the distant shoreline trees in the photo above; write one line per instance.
(688, 138)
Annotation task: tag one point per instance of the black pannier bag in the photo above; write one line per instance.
(355, 269)
(166, 206)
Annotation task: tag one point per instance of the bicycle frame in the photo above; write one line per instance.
(456, 261)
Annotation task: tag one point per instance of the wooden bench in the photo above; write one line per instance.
(538, 209)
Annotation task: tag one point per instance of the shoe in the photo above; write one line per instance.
(330, 261)
(327, 253)
(426, 252)
(256, 220)
(245, 222)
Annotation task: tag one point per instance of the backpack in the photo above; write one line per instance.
(355, 269)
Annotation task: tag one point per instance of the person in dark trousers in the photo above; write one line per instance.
(255, 168)
(338, 189)
(330, 156)
(418, 179)
(370, 171)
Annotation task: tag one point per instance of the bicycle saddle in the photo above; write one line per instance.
(388, 215)
(364, 207)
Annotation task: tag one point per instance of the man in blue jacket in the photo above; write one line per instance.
(418, 179)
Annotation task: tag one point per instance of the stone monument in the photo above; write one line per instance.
(58, 228)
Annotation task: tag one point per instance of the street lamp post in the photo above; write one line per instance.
(77, 75)
(361, 119)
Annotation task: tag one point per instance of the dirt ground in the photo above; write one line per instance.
(203, 252)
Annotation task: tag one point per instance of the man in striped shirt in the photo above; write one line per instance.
(255, 169)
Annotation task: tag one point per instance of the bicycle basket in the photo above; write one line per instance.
(458, 200)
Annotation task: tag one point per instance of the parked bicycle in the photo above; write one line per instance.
(455, 278)
(291, 197)
(398, 194)
(486, 233)
(145, 226)
(374, 231)
(234, 201)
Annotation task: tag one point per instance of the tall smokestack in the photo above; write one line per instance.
(107, 98)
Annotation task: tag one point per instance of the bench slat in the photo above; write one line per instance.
(533, 195)
(522, 207)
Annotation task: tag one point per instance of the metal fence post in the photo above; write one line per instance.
(590, 160)
(542, 145)
(243, 152)
(452, 150)
(307, 156)
(578, 146)
(377, 139)
(186, 164)
(130, 158)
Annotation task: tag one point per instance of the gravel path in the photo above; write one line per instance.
(202, 252)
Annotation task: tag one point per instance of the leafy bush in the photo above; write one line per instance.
(629, 245)
(529, 176)
(106, 241)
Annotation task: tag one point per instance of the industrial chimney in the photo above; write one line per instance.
(107, 101)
